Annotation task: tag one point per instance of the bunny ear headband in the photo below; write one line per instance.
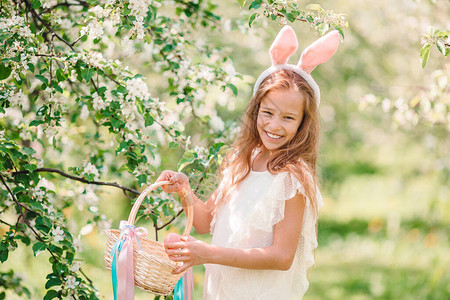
(285, 44)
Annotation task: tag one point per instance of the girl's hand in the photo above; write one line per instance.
(177, 181)
(189, 251)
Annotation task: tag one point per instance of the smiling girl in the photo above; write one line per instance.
(264, 213)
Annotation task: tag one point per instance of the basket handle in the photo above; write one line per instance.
(189, 209)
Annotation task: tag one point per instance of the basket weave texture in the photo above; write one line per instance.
(152, 266)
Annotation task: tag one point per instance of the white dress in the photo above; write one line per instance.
(247, 220)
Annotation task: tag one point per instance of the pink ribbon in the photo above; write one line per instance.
(125, 265)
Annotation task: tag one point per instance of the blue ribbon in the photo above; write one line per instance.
(178, 290)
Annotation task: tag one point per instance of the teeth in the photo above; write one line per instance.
(274, 136)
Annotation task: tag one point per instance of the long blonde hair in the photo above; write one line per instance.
(298, 156)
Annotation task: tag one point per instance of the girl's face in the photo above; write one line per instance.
(279, 116)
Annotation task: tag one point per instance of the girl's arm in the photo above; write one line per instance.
(202, 210)
(279, 256)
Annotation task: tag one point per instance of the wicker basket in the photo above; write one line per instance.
(152, 267)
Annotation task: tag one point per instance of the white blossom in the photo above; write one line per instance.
(93, 29)
(48, 185)
(139, 28)
(91, 169)
(89, 196)
(98, 11)
(58, 234)
(86, 229)
(97, 102)
(71, 282)
(202, 152)
(77, 244)
(18, 98)
(127, 110)
(49, 3)
(386, 105)
(76, 266)
(73, 75)
(95, 58)
(139, 8)
(137, 89)
(51, 131)
(217, 123)
(84, 114)
(38, 193)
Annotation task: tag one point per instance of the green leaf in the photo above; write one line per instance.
(30, 167)
(60, 75)
(291, 17)
(148, 120)
(233, 88)
(443, 33)
(116, 123)
(43, 223)
(340, 31)
(51, 294)
(87, 74)
(441, 46)
(30, 67)
(148, 38)
(26, 240)
(126, 11)
(173, 145)
(4, 72)
(425, 54)
(36, 123)
(178, 11)
(52, 282)
(35, 4)
(57, 88)
(42, 78)
(252, 19)
(142, 179)
(4, 252)
(255, 4)
(241, 2)
(121, 89)
(28, 150)
(38, 248)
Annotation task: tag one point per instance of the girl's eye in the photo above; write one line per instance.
(289, 118)
(267, 113)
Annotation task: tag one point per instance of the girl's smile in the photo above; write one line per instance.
(279, 116)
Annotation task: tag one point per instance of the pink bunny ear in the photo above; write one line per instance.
(320, 51)
(283, 46)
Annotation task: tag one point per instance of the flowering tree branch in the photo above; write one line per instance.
(81, 179)
(36, 15)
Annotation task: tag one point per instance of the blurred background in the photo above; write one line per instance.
(383, 233)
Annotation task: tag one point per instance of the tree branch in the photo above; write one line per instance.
(36, 15)
(1, 221)
(66, 4)
(81, 179)
(87, 278)
(170, 221)
(25, 219)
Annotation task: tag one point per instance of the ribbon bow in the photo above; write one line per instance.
(122, 268)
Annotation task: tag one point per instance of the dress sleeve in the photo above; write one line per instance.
(285, 187)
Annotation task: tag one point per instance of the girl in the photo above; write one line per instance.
(263, 214)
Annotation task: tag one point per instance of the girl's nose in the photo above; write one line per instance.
(274, 126)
